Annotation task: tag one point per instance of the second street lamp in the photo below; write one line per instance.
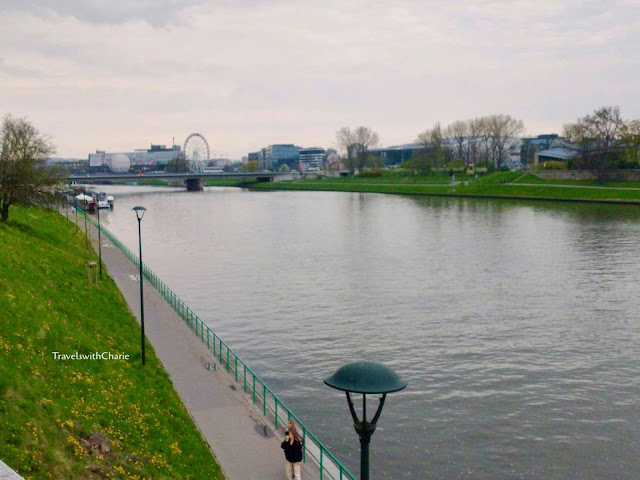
(99, 241)
(86, 233)
(139, 214)
(365, 378)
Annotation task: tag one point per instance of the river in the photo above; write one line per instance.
(515, 324)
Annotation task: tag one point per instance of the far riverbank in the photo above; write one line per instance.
(500, 185)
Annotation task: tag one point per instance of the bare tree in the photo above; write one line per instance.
(605, 123)
(630, 134)
(25, 177)
(477, 141)
(459, 131)
(596, 137)
(356, 144)
(501, 130)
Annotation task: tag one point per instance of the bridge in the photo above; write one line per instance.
(192, 180)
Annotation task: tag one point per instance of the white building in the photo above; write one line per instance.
(141, 159)
(311, 158)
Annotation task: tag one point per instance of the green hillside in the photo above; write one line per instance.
(81, 419)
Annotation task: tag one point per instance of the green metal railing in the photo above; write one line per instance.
(272, 407)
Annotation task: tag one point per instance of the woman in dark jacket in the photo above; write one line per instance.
(292, 447)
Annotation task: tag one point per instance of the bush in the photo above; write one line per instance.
(551, 165)
(624, 164)
(370, 174)
(488, 166)
(455, 167)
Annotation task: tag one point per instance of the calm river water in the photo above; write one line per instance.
(515, 324)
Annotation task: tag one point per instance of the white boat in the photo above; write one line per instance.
(102, 199)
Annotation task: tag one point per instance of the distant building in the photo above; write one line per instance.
(280, 154)
(140, 159)
(559, 150)
(311, 158)
(530, 146)
(397, 154)
(262, 159)
(70, 165)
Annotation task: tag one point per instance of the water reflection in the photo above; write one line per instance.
(514, 322)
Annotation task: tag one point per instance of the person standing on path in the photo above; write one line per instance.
(292, 447)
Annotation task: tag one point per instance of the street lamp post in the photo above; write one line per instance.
(365, 378)
(86, 232)
(139, 214)
(99, 240)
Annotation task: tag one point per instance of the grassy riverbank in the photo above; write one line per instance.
(495, 185)
(81, 419)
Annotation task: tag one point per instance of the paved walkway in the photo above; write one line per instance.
(226, 416)
(7, 474)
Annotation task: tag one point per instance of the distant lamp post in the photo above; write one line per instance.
(86, 232)
(139, 214)
(366, 378)
(99, 241)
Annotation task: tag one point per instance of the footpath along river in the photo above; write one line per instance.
(516, 324)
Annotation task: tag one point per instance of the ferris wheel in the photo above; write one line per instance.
(196, 152)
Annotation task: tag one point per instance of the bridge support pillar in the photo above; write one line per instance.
(194, 184)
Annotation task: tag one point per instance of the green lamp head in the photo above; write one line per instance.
(139, 211)
(365, 377)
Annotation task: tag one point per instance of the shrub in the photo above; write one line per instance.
(455, 167)
(623, 164)
(370, 174)
(551, 165)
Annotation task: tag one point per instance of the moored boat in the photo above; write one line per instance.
(102, 199)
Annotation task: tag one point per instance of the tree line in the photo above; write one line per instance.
(479, 141)
(602, 141)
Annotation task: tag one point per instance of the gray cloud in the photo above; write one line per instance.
(155, 12)
(250, 73)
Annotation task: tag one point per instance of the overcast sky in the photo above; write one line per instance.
(121, 74)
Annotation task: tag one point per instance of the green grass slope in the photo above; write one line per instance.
(496, 185)
(81, 419)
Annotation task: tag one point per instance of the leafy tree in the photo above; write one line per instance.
(435, 151)
(250, 166)
(356, 144)
(25, 177)
(284, 168)
(177, 165)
